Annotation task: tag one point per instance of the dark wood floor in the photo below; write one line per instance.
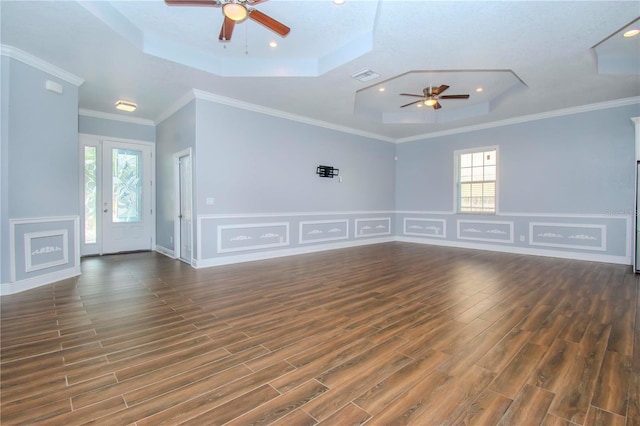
(385, 334)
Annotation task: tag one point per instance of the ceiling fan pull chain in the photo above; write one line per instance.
(246, 39)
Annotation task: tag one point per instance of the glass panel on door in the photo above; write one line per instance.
(127, 181)
(90, 194)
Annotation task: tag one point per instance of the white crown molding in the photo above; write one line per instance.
(199, 94)
(115, 117)
(26, 58)
(526, 118)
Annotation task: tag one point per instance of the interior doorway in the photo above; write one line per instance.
(117, 199)
(183, 224)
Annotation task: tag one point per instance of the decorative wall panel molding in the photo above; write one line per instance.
(486, 230)
(46, 249)
(315, 231)
(42, 246)
(373, 227)
(425, 227)
(568, 235)
(255, 236)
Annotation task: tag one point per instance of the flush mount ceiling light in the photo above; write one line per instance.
(338, 2)
(235, 11)
(631, 33)
(126, 106)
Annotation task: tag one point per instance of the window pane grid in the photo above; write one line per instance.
(477, 182)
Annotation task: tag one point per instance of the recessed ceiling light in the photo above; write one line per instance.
(381, 89)
(126, 106)
(419, 105)
(479, 89)
(631, 33)
(273, 43)
(338, 1)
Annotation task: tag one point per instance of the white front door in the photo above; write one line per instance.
(117, 196)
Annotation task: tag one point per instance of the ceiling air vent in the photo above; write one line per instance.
(365, 75)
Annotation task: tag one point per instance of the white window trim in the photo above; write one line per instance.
(456, 183)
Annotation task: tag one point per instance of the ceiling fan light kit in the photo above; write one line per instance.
(236, 11)
(431, 95)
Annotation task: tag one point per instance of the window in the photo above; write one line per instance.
(90, 200)
(476, 181)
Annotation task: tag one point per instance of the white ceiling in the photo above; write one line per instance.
(530, 57)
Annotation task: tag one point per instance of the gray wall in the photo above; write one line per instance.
(173, 135)
(256, 163)
(551, 170)
(116, 129)
(39, 155)
(43, 145)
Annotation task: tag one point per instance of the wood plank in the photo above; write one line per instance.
(598, 417)
(347, 415)
(281, 405)
(513, 377)
(393, 387)
(528, 408)
(613, 383)
(502, 353)
(487, 409)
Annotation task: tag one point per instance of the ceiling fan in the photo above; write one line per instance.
(236, 11)
(431, 95)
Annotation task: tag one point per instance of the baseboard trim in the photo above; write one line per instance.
(228, 260)
(591, 257)
(39, 281)
(165, 251)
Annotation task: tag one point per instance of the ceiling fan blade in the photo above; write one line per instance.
(227, 29)
(269, 22)
(454, 97)
(192, 2)
(437, 105)
(411, 103)
(409, 94)
(440, 89)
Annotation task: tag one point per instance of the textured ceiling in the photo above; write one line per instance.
(551, 55)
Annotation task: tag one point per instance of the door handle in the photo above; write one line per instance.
(105, 210)
(180, 216)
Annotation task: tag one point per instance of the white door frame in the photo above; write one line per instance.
(177, 243)
(86, 139)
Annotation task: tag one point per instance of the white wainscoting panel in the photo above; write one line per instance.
(425, 227)
(581, 236)
(314, 231)
(254, 236)
(486, 230)
(373, 227)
